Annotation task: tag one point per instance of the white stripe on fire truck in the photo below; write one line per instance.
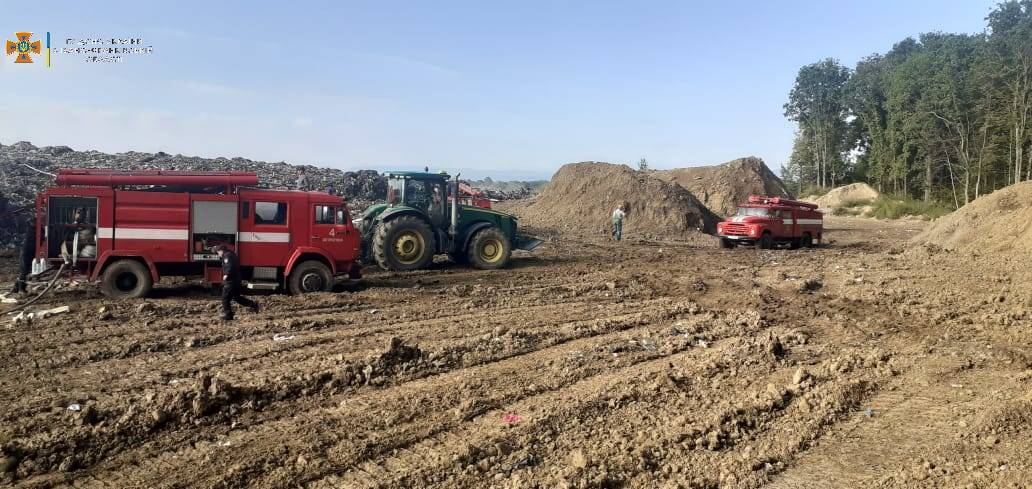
(252, 237)
(803, 221)
(143, 233)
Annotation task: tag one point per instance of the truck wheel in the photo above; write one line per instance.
(402, 244)
(310, 276)
(807, 240)
(489, 249)
(766, 241)
(126, 279)
(727, 243)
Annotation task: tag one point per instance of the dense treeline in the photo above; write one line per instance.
(942, 117)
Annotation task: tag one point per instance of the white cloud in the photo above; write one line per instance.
(301, 121)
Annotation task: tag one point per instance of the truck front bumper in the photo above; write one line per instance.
(743, 240)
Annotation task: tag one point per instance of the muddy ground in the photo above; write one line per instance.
(588, 364)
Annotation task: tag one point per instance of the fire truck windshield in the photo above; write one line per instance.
(752, 211)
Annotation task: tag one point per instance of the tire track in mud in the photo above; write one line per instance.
(643, 406)
(117, 374)
(127, 372)
(127, 423)
(249, 331)
(132, 340)
(367, 407)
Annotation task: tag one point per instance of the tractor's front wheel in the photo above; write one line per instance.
(404, 243)
(489, 249)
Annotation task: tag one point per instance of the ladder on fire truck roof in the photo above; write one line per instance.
(114, 178)
(760, 199)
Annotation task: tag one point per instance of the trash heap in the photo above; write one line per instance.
(508, 190)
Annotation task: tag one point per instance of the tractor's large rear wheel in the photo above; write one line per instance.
(404, 243)
(489, 249)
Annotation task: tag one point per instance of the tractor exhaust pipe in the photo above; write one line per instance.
(455, 207)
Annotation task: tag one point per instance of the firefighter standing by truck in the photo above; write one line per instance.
(28, 252)
(231, 283)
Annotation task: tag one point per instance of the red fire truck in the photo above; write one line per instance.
(768, 221)
(474, 197)
(128, 229)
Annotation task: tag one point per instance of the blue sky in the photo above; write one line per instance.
(510, 89)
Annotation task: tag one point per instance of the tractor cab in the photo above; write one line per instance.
(426, 192)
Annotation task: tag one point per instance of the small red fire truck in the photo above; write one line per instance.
(767, 221)
(128, 229)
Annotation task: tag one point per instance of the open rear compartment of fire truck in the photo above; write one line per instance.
(70, 229)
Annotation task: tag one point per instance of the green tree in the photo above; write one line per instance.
(815, 102)
(1010, 26)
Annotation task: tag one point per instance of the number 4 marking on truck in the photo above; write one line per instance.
(333, 232)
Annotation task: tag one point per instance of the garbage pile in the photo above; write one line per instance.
(508, 190)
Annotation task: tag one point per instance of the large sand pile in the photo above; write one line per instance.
(581, 197)
(847, 195)
(1000, 222)
(722, 187)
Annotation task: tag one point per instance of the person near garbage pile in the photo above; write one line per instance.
(302, 179)
(231, 283)
(617, 218)
(28, 253)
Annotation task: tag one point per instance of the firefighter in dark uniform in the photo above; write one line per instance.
(28, 253)
(231, 283)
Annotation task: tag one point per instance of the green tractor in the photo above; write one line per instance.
(423, 217)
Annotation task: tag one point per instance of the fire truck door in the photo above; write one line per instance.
(265, 233)
(330, 230)
(787, 223)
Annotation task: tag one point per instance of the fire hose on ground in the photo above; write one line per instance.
(41, 294)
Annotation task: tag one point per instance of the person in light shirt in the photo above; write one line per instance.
(618, 217)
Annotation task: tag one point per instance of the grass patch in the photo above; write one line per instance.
(812, 190)
(852, 207)
(886, 207)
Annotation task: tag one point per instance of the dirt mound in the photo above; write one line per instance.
(847, 195)
(582, 196)
(723, 187)
(1000, 222)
